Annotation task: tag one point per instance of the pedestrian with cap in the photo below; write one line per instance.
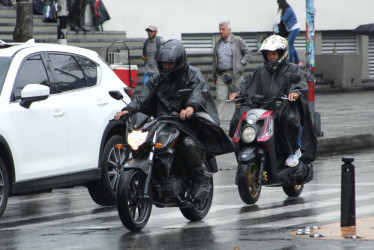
(150, 46)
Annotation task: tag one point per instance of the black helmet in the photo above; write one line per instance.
(274, 43)
(171, 51)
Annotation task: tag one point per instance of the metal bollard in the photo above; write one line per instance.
(348, 200)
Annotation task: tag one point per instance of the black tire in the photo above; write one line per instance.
(293, 190)
(133, 208)
(4, 187)
(199, 209)
(249, 189)
(104, 191)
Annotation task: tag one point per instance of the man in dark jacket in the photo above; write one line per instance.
(294, 130)
(158, 98)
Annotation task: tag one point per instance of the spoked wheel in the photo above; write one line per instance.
(200, 208)
(248, 187)
(4, 187)
(104, 191)
(293, 190)
(133, 208)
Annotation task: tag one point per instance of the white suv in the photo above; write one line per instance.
(56, 126)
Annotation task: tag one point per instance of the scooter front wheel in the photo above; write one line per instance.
(248, 186)
(293, 190)
(133, 207)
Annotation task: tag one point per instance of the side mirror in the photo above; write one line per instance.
(33, 93)
(129, 91)
(116, 95)
(227, 79)
(295, 78)
(183, 94)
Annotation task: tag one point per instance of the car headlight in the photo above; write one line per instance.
(252, 118)
(248, 134)
(136, 138)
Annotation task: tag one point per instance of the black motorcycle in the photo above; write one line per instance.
(156, 172)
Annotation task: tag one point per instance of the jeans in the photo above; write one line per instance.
(146, 77)
(299, 138)
(291, 40)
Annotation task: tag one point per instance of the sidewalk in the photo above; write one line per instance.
(347, 120)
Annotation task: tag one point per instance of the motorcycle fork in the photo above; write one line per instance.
(150, 162)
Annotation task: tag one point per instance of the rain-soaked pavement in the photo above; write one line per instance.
(69, 219)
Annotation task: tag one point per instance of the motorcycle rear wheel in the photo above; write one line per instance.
(133, 208)
(199, 209)
(249, 189)
(293, 190)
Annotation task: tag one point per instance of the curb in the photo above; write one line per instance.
(344, 143)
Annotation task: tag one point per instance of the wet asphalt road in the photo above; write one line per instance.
(69, 219)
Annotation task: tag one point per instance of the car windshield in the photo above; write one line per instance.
(4, 66)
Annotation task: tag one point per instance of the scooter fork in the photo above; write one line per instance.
(262, 164)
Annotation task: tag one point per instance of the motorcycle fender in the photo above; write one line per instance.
(246, 154)
(141, 164)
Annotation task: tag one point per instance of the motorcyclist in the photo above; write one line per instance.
(157, 98)
(293, 126)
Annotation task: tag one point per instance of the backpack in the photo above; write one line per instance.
(158, 44)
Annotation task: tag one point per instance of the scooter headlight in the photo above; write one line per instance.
(136, 138)
(252, 119)
(248, 134)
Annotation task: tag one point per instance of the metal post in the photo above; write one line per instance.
(348, 200)
(309, 65)
(62, 18)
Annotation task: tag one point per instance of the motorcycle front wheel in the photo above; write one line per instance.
(200, 209)
(248, 187)
(133, 207)
(293, 190)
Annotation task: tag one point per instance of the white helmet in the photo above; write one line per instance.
(274, 43)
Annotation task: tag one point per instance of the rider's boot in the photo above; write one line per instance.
(194, 158)
(201, 184)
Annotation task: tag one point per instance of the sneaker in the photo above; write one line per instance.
(201, 185)
(299, 64)
(292, 161)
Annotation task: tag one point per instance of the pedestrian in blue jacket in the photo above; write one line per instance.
(289, 18)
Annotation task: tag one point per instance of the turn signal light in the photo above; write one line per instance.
(158, 145)
(119, 146)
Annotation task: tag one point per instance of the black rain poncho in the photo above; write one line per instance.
(157, 95)
(292, 115)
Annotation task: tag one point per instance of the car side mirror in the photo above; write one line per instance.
(33, 93)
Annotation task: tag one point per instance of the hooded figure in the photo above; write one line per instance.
(294, 133)
(202, 134)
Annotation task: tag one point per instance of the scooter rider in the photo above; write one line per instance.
(175, 73)
(294, 130)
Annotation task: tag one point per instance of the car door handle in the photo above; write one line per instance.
(101, 102)
(58, 113)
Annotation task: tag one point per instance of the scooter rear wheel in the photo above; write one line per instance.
(248, 187)
(293, 190)
(133, 207)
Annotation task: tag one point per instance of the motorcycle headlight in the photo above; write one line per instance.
(136, 138)
(248, 134)
(252, 119)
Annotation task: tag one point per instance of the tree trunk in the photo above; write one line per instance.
(24, 23)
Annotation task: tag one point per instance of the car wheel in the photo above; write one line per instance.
(4, 187)
(104, 191)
